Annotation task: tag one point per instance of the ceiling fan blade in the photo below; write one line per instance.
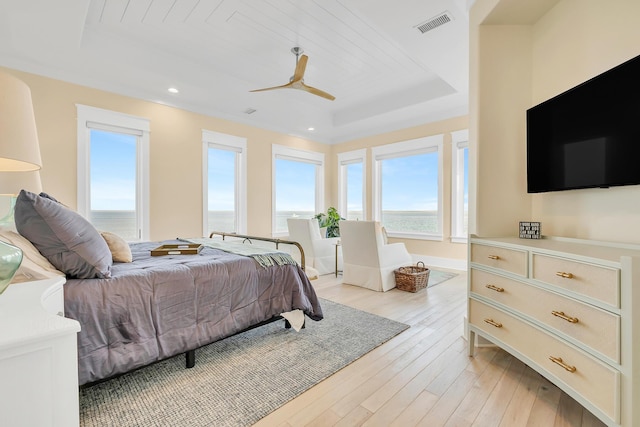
(297, 82)
(287, 86)
(315, 91)
(300, 67)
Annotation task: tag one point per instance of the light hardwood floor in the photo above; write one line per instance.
(423, 377)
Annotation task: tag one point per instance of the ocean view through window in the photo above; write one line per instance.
(295, 191)
(297, 186)
(221, 191)
(355, 192)
(113, 164)
(409, 201)
(224, 184)
(113, 183)
(351, 184)
(407, 187)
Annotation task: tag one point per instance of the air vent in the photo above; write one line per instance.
(435, 22)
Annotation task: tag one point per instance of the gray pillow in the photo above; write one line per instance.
(63, 236)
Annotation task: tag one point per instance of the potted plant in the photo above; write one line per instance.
(330, 221)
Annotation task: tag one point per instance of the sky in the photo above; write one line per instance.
(112, 171)
(409, 183)
(222, 172)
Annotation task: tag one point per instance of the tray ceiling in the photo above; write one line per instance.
(385, 72)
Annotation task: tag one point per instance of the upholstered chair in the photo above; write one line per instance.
(319, 252)
(368, 260)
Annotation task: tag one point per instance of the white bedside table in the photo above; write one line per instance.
(38, 356)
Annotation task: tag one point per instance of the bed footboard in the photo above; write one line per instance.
(277, 242)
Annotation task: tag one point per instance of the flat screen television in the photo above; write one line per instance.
(588, 136)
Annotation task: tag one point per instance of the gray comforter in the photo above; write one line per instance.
(157, 307)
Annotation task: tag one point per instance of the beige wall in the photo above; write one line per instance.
(441, 249)
(569, 48)
(175, 154)
(176, 159)
(521, 57)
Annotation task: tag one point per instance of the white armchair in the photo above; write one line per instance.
(319, 252)
(368, 261)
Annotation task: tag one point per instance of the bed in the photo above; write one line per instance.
(158, 307)
(149, 308)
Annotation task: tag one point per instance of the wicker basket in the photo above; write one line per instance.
(412, 278)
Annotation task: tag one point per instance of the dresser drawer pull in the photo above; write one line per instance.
(561, 315)
(493, 323)
(558, 361)
(565, 275)
(493, 257)
(494, 288)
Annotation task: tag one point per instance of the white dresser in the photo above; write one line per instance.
(568, 308)
(38, 356)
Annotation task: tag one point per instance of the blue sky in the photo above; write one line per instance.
(294, 181)
(113, 171)
(409, 183)
(354, 188)
(221, 195)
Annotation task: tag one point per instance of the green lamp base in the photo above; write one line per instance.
(10, 259)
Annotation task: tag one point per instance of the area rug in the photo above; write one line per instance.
(436, 277)
(241, 379)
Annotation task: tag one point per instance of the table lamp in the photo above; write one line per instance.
(10, 185)
(19, 154)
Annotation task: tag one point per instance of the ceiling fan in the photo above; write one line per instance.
(297, 80)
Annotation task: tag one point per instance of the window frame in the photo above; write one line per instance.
(344, 160)
(459, 142)
(296, 155)
(222, 141)
(423, 145)
(89, 118)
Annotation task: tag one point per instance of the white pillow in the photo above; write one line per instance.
(120, 250)
(34, 266)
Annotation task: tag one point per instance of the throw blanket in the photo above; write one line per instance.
(263, 256)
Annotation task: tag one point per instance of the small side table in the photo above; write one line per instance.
(38, 356)
(337, 244)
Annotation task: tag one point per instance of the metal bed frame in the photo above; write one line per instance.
(265, 239)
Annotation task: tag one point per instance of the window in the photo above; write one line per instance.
(460, 186)
(113, 164)
(351, 181)
(407, 187)
(224, 183)
(298, 185)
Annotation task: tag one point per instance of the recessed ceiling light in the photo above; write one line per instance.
(311, 129)
(173, 90)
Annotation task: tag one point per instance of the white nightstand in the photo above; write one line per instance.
(38, 356)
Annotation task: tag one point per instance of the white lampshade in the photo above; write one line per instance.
(19, 153)
(19, 148)
(12, 182)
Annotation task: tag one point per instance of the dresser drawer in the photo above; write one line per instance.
(593, 281)
(511, 260)
(592, 379)
(593, 327)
